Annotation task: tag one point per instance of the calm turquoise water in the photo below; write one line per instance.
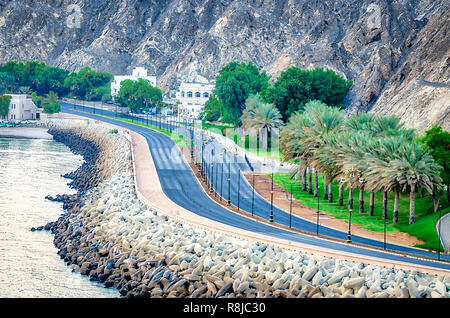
(29, 265)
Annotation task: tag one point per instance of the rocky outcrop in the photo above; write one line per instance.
(383, 46)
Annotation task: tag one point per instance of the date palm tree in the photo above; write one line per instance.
(414, 168)
(352, 148)
(292, 147)
(261, 116)
(378, 160)
(379, 126)
(324, 121)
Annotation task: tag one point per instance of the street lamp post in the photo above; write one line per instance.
(439, 234)
(217, 169)
(290, 209)
(221, 181)
(384, 236)
(211, 173)
(271, 202)
(239, 188)
(229, 183)
(318, 213)
(203, 160)
(351, 175)
(253, 193)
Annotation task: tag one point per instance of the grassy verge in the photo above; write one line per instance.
(425, 219)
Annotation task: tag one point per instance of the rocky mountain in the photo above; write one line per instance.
(396, 52)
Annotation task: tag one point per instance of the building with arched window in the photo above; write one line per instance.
(193, 96)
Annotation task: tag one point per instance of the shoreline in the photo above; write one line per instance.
(30, 132)
(106, 232)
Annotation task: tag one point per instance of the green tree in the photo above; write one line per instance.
(52, 108)
(234, 84)
(88, 83)
(6, 82)
(50, 103)
(4, 105)
(39, 77)
(140, 94)
(295, 87)
(37, 100)
(437, 140)
(213, 109)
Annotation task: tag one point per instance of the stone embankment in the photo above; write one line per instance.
(110, 235)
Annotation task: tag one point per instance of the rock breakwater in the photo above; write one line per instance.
(118, 241)
(110, 235)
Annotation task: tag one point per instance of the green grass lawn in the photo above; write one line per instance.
(425, 219)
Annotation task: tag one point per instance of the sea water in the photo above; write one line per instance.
(30, 169)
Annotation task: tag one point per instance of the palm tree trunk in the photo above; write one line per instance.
(385, 193)
(361, 199)
(310, 181)
(397, 196)
(350, 198)
(372, 203)
(325, 190)
(330, 191)
(304, 179)
(412, 206)
(316, 183)
(341, 194)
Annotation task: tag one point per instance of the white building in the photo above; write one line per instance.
(193, 96)
(138, 72)
(22, 107)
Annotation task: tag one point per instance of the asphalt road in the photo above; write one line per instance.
(180, 185)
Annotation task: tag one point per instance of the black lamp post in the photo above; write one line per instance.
(211, 173)
(203, 160)
(290, 209)
(217, 169)
(271, 202)
(221, 181)
(351, 175)
(229, 183)
(384, 236)
(318, 213)
(253, 193)
(439, 234)
(239, 188)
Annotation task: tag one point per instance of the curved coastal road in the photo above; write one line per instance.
(180, 185)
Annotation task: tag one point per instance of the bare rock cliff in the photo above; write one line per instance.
(396, 52)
